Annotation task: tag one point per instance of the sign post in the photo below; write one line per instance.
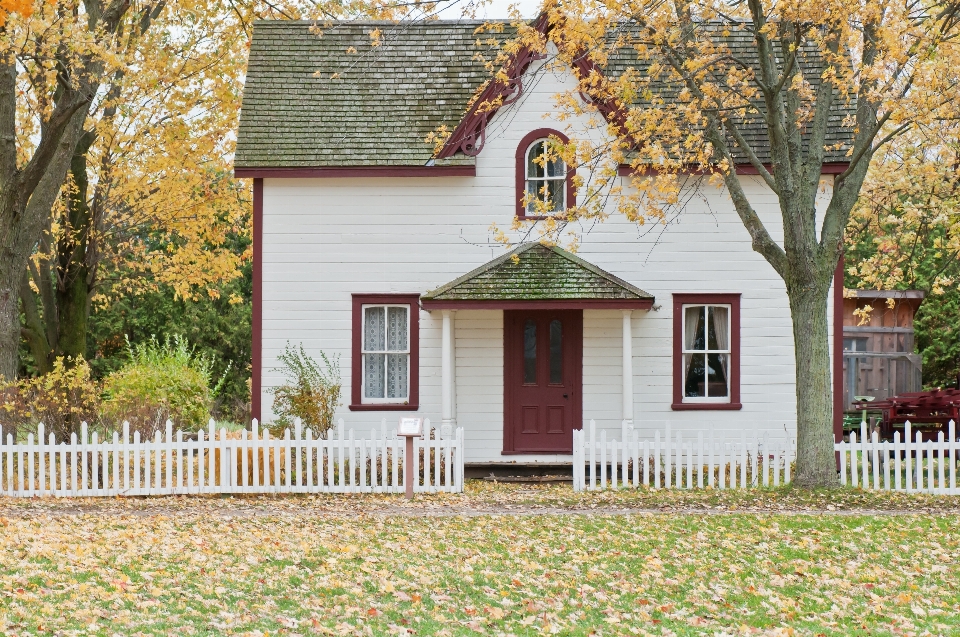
(410, 428)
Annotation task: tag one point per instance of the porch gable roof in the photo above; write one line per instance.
(535, 276)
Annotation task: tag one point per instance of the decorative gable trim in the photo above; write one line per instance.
(469, 135)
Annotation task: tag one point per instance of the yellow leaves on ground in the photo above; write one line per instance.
(322, 566)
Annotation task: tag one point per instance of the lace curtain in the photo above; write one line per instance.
(386, 359)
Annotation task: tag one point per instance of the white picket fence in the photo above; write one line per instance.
(224, 462)
(674, 462)
(910, 464)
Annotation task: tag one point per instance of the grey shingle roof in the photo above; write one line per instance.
(379, 111)
(539, 273)
(741, 45)
(387, 99)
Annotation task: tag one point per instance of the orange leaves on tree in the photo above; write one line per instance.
(22, 7)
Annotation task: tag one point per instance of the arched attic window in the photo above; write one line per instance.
(543, 179)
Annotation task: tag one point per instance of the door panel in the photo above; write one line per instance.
(543, 362)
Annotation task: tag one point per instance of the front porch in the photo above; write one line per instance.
(530, 343)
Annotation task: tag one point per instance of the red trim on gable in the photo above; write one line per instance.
(356, 364)
(358, 171)
(545, 304)
(612, 110)
(256, 355)
(469, 135)
(679, 300)
(829, 168)
(521, 171)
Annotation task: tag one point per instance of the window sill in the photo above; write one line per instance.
(383, 407)
(706, 406)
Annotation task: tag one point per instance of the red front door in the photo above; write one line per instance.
(543, 361)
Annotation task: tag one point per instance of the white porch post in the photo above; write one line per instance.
(448, 372)
(627, 368)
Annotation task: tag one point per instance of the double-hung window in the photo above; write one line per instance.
(546, 177)
(545, 183)
(386, 353)
(706, 351)
(385, 344)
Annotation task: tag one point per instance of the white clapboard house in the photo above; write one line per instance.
(372, 246)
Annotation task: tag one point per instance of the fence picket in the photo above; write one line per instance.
(952, 435)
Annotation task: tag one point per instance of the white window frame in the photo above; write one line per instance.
(364, 399)
(542, 180)
(684, 351)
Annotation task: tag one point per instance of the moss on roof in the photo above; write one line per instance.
(537, 273)
(334, 99)
(309, 101)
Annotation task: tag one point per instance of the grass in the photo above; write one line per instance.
(274, 565)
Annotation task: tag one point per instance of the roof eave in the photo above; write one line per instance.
(537, 304)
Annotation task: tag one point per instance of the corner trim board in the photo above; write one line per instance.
(256, 353)
(838, 354)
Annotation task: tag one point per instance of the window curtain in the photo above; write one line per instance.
(721, 328)
(692, 316)
(397, 364)
(373, 341)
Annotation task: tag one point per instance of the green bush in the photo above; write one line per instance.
(311, 394)
(160, 382)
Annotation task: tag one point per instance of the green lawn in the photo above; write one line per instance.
(208, 566)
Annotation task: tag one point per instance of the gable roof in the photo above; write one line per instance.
(535, 272)
(380, 109)
(310, 102)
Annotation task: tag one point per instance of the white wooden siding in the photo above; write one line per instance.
(325, 239)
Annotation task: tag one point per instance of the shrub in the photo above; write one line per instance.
(61, 400)
(160, 382)
(311, 394)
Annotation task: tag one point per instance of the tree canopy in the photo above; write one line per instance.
(695, 78)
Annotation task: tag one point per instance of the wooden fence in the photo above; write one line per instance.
(228, 462)
(910, 464)
(674, 462)
(867, 462)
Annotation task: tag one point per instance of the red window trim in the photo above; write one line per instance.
(529, 138)
(356, 365)
(733, 300)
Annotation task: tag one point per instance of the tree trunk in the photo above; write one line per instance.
(73, 272)
(9, 314)
(816, 466)
(21, 222)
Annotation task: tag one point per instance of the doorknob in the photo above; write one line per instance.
(564, 395)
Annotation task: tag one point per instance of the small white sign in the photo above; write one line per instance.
(410, 427)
